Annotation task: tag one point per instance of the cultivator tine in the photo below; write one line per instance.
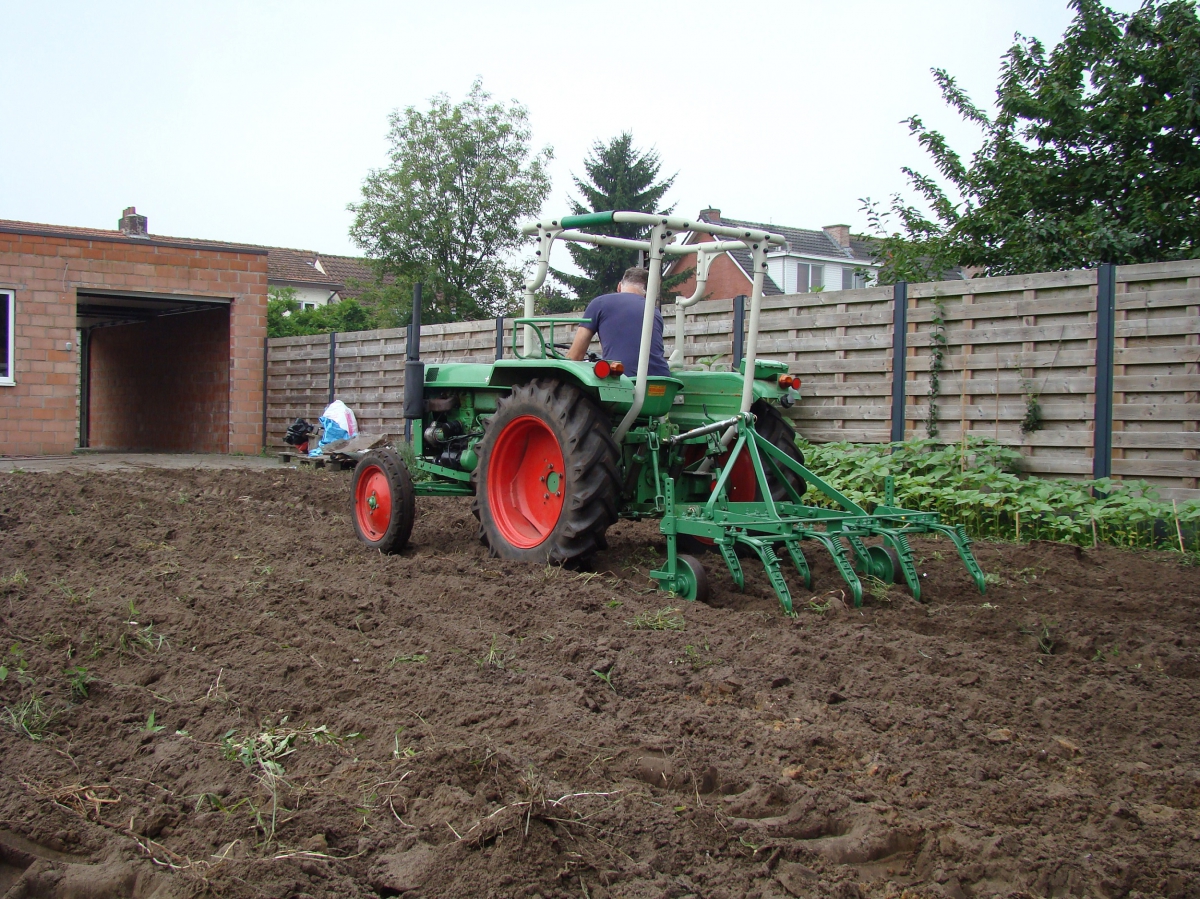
(860, 554)
(766, 552)
(963, 543)
(899, 543)
(725, 544)
(801, 563)
(838, 550)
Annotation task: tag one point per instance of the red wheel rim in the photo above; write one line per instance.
(742, 486)
(526, 482)
(373, 502)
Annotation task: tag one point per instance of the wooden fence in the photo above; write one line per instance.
(1006, 346)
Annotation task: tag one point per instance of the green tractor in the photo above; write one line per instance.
(555, 451)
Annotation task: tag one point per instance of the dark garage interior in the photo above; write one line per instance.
(154, 372)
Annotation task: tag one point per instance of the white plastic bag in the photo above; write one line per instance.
(339, 424)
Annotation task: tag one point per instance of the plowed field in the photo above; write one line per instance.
(211, 688)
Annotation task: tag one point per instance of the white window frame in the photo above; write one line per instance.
(9, 298)
(802, 275)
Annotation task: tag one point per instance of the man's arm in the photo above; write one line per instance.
(578, 350)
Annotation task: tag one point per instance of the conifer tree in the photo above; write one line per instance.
(618, 176)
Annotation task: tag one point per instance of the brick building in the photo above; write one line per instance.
(127, 340)
(827, 259)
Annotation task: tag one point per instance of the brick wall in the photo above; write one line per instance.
(162, 385)
(40, 413)
(725, 279)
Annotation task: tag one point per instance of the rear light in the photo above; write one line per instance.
(788, 381)
(602, 369)
(618, 368)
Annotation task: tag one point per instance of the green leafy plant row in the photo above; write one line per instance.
(979, 487)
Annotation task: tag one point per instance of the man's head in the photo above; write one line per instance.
(634, 281)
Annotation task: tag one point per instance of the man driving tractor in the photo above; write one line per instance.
(617, 317)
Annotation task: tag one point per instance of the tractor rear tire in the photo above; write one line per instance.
(546, 486)
(774, 427)
(382, 503)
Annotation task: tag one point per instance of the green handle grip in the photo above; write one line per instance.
(587, 220)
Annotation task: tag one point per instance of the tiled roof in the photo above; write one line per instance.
(811, 243)
(284, 264)
(42, 230)
(348, 268)
(345, 274)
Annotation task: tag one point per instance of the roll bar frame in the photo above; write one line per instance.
(663, 230)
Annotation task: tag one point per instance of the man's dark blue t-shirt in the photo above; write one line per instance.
(617, 318)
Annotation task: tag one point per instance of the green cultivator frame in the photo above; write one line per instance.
(554, 450)
(765, 525)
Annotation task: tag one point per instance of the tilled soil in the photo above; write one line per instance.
(213, 687)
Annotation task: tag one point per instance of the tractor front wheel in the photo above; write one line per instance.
(383, 505)
(546, 485)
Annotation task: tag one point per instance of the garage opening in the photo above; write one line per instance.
(154, 372)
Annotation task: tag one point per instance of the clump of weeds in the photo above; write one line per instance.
(263, 753)
(668, 618)
(416, 657)
(31, 718)
(141, 640)
(495, 657)
(151, 727)
(1044, 634)
(78, 681)
(606, 676)
(697, 658)
(70, 593)
(16, 664)
(818, 606)
(17, 581)
(878, 589)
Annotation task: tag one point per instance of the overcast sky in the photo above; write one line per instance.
(256, 122)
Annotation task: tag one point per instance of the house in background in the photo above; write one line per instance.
(824, 260)
(317, 279)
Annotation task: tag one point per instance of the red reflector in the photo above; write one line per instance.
(602, 369)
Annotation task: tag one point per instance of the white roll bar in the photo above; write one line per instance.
(663, 228)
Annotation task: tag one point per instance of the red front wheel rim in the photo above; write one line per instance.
(373, 502)
(526, 482)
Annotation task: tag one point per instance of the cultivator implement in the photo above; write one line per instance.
(773, 529)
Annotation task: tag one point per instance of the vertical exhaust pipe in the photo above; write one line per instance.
(414, 369)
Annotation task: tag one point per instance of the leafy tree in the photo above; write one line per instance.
(1093, 155)
(285, 318)
(618, 176)
(447, 209)
(388, 298)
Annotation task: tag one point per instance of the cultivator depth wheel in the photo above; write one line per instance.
(382, 500)
(692, 579)
(883, 563)
(546, 486)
